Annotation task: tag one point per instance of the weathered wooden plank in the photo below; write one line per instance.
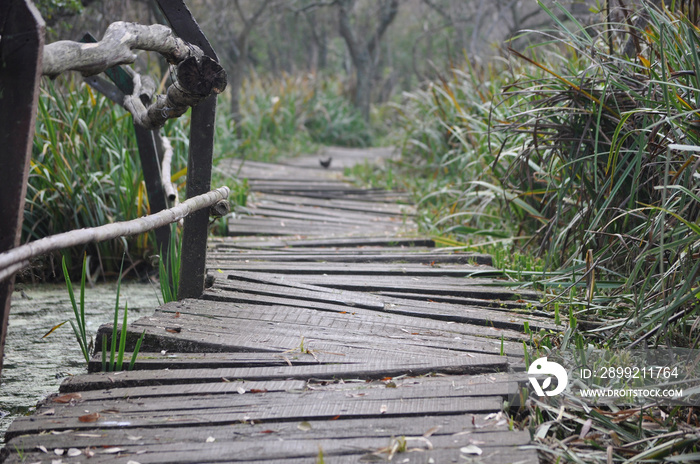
(216, 259)
(308, 214)
(333, 346)
(270, 447)
(373, 369)
(491, 317)
(417, 285)
(344, 333)
(428, 285)
(278, 226)
(251, 408)
(394, 209)
(524, 307)
(359, 241)
(263, 202)
(478, 272)
(405, 313)
(367, 401)
(491, 429)
(304, 452)
(170, 360)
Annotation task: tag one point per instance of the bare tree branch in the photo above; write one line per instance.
(439, 10)
(314, 6)
(115, 48)
(388, 9)
(16, 258)
(198, 75)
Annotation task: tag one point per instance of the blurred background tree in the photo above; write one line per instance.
(376, 47)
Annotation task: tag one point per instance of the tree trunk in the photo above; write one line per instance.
(363, 87)
(236, 83)
(364, 52)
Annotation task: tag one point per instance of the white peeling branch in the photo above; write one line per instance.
(198, 76)
(165, 169)
(115, 48)
(196, 80)
(13, 260)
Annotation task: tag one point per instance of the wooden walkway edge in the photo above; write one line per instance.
(330, 332)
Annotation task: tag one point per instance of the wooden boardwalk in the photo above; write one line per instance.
(330, 332)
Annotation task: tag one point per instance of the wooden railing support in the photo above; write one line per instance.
(199, 164)
(21, 50)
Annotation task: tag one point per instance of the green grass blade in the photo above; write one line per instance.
(122, 340)
(116, 316)
(83, 347)
(137, 348)
(104, 353)
(82, 300)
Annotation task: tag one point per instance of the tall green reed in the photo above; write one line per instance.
(566, 148)
(85, 170)
(80, 327)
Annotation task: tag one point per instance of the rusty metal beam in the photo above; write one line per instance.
(21, 48)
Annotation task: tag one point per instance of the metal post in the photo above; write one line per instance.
(199, 164)
(21, 48)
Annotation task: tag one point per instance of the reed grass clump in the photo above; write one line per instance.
(288, 116)
(85, 172)
(585, 156)
(572, 152)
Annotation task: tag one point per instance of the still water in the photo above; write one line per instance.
(35, 367)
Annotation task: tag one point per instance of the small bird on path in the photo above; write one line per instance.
(326, 163)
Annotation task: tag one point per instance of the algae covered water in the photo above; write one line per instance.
(34, 366)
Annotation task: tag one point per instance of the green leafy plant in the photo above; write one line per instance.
(169, 269)
(85, 172)
(79, 327)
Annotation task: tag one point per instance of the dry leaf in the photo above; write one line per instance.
(304, 426)
(471, 449)
(258, 390)
(133, 438)
(177, 314)
(383, 409)
(73, 452)
(59, 451)
(174, 330)
(210, 440)
(42, 449)
(48, 412)
(240, 390)
(89, 417)
(67, 398)
(112, 450)
(586, 428)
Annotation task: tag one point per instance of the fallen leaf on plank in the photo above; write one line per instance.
(67, 398)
